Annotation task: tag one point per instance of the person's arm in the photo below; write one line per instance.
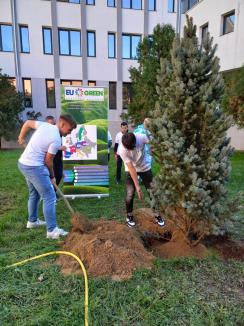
(49, 163)
(29, 124)
(116, 145)
(133, 175)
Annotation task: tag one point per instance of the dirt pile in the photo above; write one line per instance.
(107, 248)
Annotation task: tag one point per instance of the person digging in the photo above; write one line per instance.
(132, 152)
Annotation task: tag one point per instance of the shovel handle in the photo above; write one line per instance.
(60, 193)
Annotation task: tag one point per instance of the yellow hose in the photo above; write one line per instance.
(61, 253)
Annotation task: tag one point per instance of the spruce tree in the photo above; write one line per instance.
(189, 140)
(144, 78)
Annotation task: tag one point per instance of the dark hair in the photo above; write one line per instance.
(68, 118)
(124, 123)
(129, 140)
(49, 117)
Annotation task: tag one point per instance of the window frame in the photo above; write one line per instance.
(154, 5)
(92, 82)
(114, 50)
(21, 39)
(69, 41)
(130, 93)
(131, 5)
(71, 82)
(47, 102)
(174, 7)
(202, 28)
(1, 44)
(130, 35)
(224, 17)
(91, 4)
(43, 39)
(114, 6)
(23, 84)
(114, 83)
(87, 39)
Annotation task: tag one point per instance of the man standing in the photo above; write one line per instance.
(132, 152)
(118, 139)
(36, 164)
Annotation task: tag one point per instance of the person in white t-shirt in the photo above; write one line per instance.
(36, 164)
(118, 139)
(132, 152)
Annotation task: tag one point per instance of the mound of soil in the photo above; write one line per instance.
(111, 249)
(107, 249)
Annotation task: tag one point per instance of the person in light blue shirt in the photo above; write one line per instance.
(143, 129)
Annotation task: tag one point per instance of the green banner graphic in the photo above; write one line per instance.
(85, 159)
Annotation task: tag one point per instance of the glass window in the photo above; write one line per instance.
(69, 42)
(204, 32)
(151, 5)
(92, 83)
(47, 40)
(70, 1)
(228, 22)
(27, 92)
(171, 5)
(111, 45)
(6, 38)
(129, 46)
(131, 4)
(127, 95)
(71, 82)
(112, 96)
(91, 44)
(50, 93)
(111, 3)
(24, 39)
(90, 2)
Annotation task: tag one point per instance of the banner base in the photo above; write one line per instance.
(99, 196)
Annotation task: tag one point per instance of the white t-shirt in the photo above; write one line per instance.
(118, 138)
(137, 156)
(46, 139)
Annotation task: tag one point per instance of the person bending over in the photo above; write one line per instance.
(132, 152)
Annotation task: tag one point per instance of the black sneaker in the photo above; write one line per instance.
(159, 220)
(130, 221)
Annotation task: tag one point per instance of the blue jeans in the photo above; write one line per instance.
(40, 186)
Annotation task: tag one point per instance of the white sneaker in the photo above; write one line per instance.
(36, 224)
(56, 233)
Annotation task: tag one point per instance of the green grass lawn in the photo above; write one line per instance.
(175, 292)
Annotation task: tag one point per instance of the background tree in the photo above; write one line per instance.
(144, 78)
(11, 105)
(233, 101)
(189, 140)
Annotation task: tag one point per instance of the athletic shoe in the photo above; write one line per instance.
(130, 221)
(159, 220)
(36, 224)
(56, 233)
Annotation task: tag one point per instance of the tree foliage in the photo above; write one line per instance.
(233, 101)
(144, 78)
(11, 105)
(189, 139)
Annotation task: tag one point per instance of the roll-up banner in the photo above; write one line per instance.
(85, 159)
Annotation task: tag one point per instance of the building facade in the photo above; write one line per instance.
(76, 42)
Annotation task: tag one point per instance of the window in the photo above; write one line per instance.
(47, 40)
(151, 5)
(111, 45)
(111, 3)
(50, 93)
(129, 46)
(6, 38)
(228, 22)
(27, 92)
(91, 44)
(70, 1)
(171, 6)
(127, 95)
(187, 4)
(24, 39)
(131, 4)
(112, 95)
(204, 32)
(90, 2)
(71, 82)
(69, 42)
(92, 83)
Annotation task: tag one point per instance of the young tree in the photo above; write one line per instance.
(144, 78)
(11, 105)
(189, 140)
(234, 96)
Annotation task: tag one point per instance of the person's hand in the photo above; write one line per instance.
(139, 193)
(63, 148)
(116, 156)
(20, 140)
(53, 180)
